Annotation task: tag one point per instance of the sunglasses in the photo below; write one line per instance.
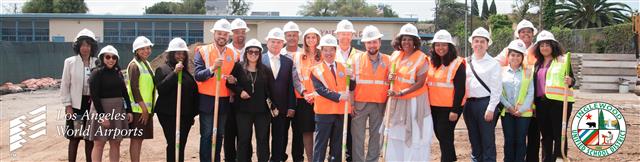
(109, 57)
(255, 53)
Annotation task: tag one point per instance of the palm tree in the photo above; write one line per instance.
(591, 13)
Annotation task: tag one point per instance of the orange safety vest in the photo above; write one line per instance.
(406, 73)
(370, 85)
(323, 105)
(209, 54)
(440, 82)
(303, 68)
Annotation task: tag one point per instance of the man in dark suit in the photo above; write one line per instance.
(282, 92)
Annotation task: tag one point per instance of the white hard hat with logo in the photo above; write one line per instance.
(291, 27)
(442, 36)
(545, 35)
(177, 44)
(86, 32)
(311, 30)
(108, 49)
(141, 41)
(344, 26)
(275, 33)
(525, 24)
(328, 41)
(518, 45)
(239, 24)
(370, 33)
(409, 29)
(221, 25)
(253, 43)
(481, 32)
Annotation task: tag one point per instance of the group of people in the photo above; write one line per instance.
(402, 99)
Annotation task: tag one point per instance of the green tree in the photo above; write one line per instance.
(485, 10)
(55, 6)
(592, 13)
(499, 21)
(387, 11)
(601, 122)
(474, 8)
(521, 10)
(164, 8)
(193, 7)
(492, 8)
(317, 8)
(548, 14)
(448, 14)
(239, 7)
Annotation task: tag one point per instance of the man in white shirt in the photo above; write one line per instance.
(238, 31)
(484, 89)
(292, 36)
(344, 32)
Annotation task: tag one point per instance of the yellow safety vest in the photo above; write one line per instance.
(146, 86)
(527, 77)
(554, 84)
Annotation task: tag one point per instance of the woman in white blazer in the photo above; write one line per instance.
(74, 91)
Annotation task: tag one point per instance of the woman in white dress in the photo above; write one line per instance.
(410, 127)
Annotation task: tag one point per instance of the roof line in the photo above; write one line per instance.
(200, 17)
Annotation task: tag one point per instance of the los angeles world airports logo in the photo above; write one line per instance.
(598, 129)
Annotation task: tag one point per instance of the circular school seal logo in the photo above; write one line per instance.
(598, 129)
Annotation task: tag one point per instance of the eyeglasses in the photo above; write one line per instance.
(109, 57)
(250, 52)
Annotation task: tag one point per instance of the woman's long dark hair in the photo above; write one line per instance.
(397, 42)
(305, 47)
(556, 50)
(245, 62)
(171, 59)
(445, 60)
(85, 39)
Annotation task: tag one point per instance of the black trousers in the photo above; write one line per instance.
(279, 137)
(349, 141)
(549, 116)
(443, 128)
(533, 142)
(168, 123)
(246, 123)
(230, 136)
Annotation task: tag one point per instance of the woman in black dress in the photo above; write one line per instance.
(252, 91)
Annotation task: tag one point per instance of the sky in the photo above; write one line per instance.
(421, 9)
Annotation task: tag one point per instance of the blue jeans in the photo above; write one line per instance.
(328, 126)
(515, 132)
(482, 134)
(206, 127)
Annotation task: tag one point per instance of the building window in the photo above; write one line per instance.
(159, 32)
(24, 30)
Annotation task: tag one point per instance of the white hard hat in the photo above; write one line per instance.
(344, 26)
(253, 43)
(275, 33)
(177, 44)
(239, 24)
(518, 45)
(291, 27)
(141, 41)
(370, 33)
(443, 36)
(86, 32)
(545, 35)
(481, 32)
(409, 29)
(525, 24)
(328, 41)
(221, 25)
(311, 30)
(108, 49)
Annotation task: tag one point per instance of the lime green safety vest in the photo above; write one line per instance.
(527, 76)
(554, 85)
(146, 86)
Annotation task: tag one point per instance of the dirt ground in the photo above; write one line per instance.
(53, 147)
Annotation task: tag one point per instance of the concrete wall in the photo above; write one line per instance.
(70, 28)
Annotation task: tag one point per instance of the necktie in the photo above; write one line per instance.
(275, 66)
(333, 72)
